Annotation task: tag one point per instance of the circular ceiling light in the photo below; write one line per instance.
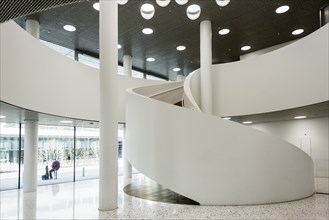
(222, 3)
(224, 31)
(150, 59)
(282, 9)
(119, 46)
(180, 48)
(247, 122)
(66, 122)
(181, 2)
(244, 48)
(193, 11)
(176, 69)
(227, 118)
(297, 32)
(147, 31)
(122, 2)
(147, 11)
(69, 28)
(96, 6)
(2, 116)
(163, 3)
(300, 117)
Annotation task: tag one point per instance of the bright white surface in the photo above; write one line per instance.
(109, 105)
(48, 82)
(80, 201)
(292, 76)
(212, 160)
(296, 131)
(206, 76)
(31, 156)
(33, 27)
(192, 91)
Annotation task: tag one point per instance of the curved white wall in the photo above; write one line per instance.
(293, 76)
(37, 78)
(211, 160)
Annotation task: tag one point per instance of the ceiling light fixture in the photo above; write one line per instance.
(96, 6)
(181, 2)
(282, 9)
(193, 11)
(122, 2)
(69, 28)
(147, 11)
(150, 59)
(227, 118)
(297, 32)
(247, 122)
(224, 31)
(66, 122)
(163, 3)
(300, 117)
(119, 46)
(2, 116)
(147, 31)
(180, 48)
(176, 69)
(244, 48)
(222, 3)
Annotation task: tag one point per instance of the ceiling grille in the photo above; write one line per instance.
(11, 9)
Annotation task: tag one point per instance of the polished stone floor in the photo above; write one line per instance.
(80, 201)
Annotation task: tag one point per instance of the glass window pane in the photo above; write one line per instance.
(9, 155)
(88, 60)
(62, 50)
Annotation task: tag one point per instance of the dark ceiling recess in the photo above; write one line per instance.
(11, 9)
(251, 22)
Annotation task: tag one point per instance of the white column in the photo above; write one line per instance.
(205, 66)
(127, 168)
(30, 155)
(127, 65)
(108, 160)
(180, 78)
(33, 27)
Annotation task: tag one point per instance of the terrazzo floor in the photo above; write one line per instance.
(80, 201)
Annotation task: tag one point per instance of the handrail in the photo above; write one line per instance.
(166, 91)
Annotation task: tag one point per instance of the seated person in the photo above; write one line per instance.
(54, 167)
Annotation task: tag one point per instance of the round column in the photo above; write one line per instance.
(205, 66)
(33, 27)
(324, 15)
(108, 159)
(127, 168)
(127, 65)
(180, 78)
(30, 155)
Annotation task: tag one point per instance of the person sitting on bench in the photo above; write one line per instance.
(54, 167)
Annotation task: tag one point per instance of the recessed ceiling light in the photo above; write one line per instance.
(147, 31)
(300, 117)
(224, 31)
(69, 28)
(227, 118)
(2, 116)
(66, 122)
(297, 32)
(282, 9)
(180, 48)
(119, 46)
(176, 69)
(244, 48)
(193, 11)
(163, 3)
(147, 11)
(247, 122)
(96, 6)
(122, 2)
(150, 59)
(222, 3)
(181, 2)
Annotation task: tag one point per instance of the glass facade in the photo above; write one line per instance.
(75, 148)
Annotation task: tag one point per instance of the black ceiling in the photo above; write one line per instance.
(252, 22)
